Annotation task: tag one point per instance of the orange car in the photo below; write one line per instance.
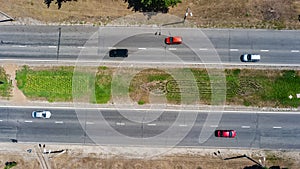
(173, 40)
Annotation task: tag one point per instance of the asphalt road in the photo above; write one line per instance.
(88, 43)
(109, 127)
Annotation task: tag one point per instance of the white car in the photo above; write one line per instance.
(250, 58)
(41, 114)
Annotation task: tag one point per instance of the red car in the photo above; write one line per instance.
(225, 133)
(173, 40)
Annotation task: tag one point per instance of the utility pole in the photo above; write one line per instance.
(187, 12)
(58, 44)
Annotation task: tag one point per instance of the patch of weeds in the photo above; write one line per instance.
(141, 102)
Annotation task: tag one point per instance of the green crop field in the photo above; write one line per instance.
(5, 84)
(247, 87)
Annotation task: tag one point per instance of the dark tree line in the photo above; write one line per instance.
(58, 2)
(152, 5)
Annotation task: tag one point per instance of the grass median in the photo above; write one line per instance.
(246, 87)
(5, 84)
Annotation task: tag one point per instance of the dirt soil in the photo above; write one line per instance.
(278, 14)
(83, 157)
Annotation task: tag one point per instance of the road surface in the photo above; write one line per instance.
(200, 45)
(254, 129)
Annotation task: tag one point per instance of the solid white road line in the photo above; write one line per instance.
(151, 124)
(145, 109)
(142, 48)
(295, 51)
(182, 125)
(120, 124)
(203, 49)
(233, 49)
(172, 49)
(263, 50)
(245, 127)
(213, 125)
(277, 127)
(51, 46)
(28, 121)
(88, 122)
(59, 122)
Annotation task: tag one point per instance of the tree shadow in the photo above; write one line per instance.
(58, 2)
(138, 6)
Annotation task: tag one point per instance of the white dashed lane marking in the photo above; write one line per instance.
(245, 127)
(59, 122)
(22, 46)
(1, 120)
(233, 49)
(88, 122)
(182, 125)
(142, 48)
(295, 51)
(264, 50)
(151, 124)
(213, 125)
(81, 47)
(51, 46)
(27, 121)
(120, 124)
(111, 47)
(277, 127)
(203, 49)
(172, 49)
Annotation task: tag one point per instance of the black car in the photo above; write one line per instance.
(118, 53)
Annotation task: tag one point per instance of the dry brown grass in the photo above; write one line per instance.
(278, 14)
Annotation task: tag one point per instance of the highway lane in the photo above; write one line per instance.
(40, 42)
(108, 127)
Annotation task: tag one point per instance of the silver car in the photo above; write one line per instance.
(44, 114)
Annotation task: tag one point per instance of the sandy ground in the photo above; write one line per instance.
(83, 157)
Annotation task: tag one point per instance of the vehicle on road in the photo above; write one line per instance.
(225, 133)
(250, 58)
(118, 53)
(44, 114)
(173, 40)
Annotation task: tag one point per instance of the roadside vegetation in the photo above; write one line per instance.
(247, 87)
(266, 14)
(5, 84)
